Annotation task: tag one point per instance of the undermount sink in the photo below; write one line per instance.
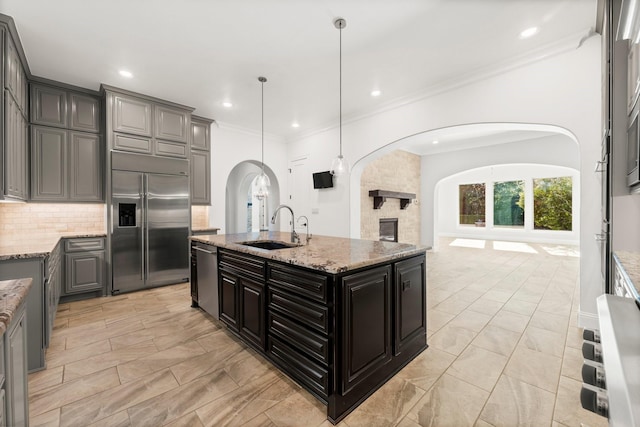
(269, 244)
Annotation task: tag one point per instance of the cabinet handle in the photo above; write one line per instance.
(202, 250)
(406, 285)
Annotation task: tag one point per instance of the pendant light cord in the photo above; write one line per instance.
(340, 90)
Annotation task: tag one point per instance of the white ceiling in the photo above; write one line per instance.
(204, 52)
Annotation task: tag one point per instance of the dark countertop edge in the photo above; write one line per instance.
(12, 294)
(45, 253)
(276, 255)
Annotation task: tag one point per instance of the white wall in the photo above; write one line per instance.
(447, 203)
(229, 148)
(562, 90)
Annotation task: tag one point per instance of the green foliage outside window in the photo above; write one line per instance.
(472, 203)
(552, 203)
(508, 203)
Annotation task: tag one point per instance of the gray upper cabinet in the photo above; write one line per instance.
(66, 166)
(200, 134)
(200, 160)
(85, 113)
(85, 167)
(200, 178)
(131, 115)
(48, 164)
(171, 124)
(48, 106)
(13, 117)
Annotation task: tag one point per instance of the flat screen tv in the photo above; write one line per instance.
(322, 180)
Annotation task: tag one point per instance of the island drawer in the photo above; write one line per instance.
(309, 374)
(306, 312)
(299, 337)
(242, 263)
(300, 282)
(83, 244)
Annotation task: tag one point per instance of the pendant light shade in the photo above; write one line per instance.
(262, 183)
(340, 165)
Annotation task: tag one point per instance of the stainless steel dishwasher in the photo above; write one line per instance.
(207, 271)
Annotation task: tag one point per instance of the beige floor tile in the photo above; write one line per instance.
(515, 403)
(116, 399)
(532, 367)
(452, 339)
(450, 402)
(574, 337)
(543, 341)
(297, 410)
(497, 340)
(66, 393)
(482, 423)
(189, 420)
(181, 401)
(48, 419)
(247, 369)
(436, 319)
(479, 367)
(59, 358)
(424, 370)
(572, 363)
(550, 322)
(44, 379)
(141, 367)
(568, 409)
(453, 305)
(508, 320)
(120, 419)
(520, 307)
(471, 320)
(497, 295)
(247, 402)
(486, 306)
(263, 421)
(390, 403)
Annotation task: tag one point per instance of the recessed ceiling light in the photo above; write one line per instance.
(435, 142)
(375, 93)
(227, 104)
(125, 73)
(529, 32)
(295, 125)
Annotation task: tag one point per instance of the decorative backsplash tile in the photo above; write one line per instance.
(199, 217)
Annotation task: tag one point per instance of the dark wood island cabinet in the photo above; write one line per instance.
(339, 316)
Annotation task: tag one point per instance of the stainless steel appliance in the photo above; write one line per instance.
(150, 221)
(207, 273)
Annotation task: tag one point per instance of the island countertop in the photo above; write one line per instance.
(332, 255)
(12, 294)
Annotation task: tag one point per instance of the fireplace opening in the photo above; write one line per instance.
(389, 229)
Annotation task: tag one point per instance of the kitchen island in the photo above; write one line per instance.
(339, 316)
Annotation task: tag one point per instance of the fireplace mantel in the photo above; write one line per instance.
(381, 196)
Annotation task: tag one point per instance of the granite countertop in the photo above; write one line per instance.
(323, 253)
(12, 294)
(630, 262)
(200, 230)
(37, 250)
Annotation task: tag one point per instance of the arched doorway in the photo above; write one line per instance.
(243, 213)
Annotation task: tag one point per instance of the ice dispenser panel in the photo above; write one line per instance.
(127, 214)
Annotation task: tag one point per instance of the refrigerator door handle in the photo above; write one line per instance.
(143, 228)
(145, 189)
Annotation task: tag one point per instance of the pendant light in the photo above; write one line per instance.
(262, 183)
(340, 165)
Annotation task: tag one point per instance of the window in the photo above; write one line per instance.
(508, 204)
(552, 203)
(472, 204)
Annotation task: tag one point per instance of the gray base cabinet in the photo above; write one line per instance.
(84, 271)
(16, 394)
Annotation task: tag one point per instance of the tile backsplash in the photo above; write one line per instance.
(199, 217)
(25, 223)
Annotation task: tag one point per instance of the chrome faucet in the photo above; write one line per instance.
(305, 224)
(294, 236)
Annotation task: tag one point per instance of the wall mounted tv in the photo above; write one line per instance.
(322, 180)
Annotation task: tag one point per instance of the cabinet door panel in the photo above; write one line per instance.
(252, 325)
(366, 319)
(228, 306)
(84, 272)
(48, 164)
(15, 150)
(171, 124)
(48, 106)
(85, 113)
(85, 167)
(17, 374)
(410, 302)
(200, 138)
(200, 178)
(171, 149)
(127, 143)
(11, 66)
(131, 116)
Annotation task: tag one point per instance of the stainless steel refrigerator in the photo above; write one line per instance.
(150, 229)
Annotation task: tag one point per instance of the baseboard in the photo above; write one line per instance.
(588, 320)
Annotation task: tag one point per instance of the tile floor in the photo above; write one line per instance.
(504, 351)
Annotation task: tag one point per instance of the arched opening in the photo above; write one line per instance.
(462, 148)
(244, 213)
